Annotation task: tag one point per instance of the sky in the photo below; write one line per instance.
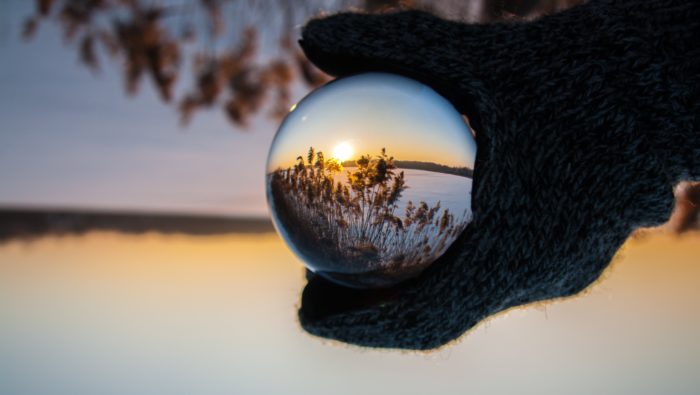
(374, 111)
(71, 138)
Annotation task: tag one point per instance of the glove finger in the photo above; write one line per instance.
(411, 43)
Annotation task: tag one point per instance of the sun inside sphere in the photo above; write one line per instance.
(369, 179)
(342, 152)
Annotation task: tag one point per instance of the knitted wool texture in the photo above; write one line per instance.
(585, 121)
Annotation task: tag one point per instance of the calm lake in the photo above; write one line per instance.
(110, 313)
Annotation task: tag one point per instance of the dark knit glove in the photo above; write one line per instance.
(585, 121)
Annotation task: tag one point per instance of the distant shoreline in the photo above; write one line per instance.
(28, 223)
(427, 166)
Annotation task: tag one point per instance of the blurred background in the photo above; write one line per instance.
(136, 253)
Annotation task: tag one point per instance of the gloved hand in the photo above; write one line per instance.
(585, 121)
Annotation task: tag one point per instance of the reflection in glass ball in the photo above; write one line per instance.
(369, 179)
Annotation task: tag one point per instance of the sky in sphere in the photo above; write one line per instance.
(373, 111)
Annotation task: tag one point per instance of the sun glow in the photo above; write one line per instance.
(342, 152)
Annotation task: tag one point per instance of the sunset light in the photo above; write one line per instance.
(342, 152)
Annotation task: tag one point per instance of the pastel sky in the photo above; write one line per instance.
(372, 111)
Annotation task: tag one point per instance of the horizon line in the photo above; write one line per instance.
(395, 160)
(32, 222)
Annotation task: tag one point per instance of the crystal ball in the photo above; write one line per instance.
(369, 179)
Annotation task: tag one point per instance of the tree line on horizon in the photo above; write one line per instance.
(462, 171)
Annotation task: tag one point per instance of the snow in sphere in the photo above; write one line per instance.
(369, 179)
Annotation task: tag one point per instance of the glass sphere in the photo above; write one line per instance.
(369, 179)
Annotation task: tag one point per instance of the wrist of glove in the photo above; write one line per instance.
(585, 120)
